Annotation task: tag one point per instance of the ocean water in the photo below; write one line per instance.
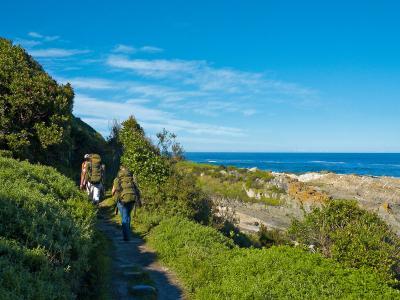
(374, 164)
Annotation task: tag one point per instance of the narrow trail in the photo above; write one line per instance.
(131, 262)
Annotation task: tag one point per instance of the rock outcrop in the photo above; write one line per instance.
(303, 192)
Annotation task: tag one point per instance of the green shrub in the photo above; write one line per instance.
(212, 267)
(6, 153)
(27, 273)
(36, 121)
(143, 159)
(183, 198)
(145, 221)
(270, 237)
(35, 111)
(350, 235)
(189, 248)
(164, 187)
(49, 224)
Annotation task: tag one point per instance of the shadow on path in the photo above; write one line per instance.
(134, 254)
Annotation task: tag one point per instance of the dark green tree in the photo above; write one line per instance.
(164, 188)
(142, 157)
(35, 111)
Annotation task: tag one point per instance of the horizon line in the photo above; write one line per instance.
(292, 152)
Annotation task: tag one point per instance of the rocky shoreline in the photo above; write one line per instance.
(380, 194)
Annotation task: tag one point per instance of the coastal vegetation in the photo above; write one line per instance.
(212, 266)
(35, 111)
(49, 245)
(350, 235)
(50, 248)
(227, 182)
(36, 120)
(164, 189)
(47, 233)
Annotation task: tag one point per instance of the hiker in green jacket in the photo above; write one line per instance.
(127, 195)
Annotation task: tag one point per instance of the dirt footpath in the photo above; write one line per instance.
(136, 274)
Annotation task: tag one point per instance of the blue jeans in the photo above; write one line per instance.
(125, 213)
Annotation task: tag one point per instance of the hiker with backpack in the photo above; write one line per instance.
(127, 195)
(93, 175)
(82, 184)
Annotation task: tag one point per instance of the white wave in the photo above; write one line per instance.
(327, 162)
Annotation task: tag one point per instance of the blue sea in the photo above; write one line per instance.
(375, 164)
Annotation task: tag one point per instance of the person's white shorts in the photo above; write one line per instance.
(94, 191)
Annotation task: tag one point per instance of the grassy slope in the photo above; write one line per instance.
(213, 268)
(46, 233)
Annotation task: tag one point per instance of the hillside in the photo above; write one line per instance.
(46, 233)
(50, 248)
(87, 140)
(36, 120)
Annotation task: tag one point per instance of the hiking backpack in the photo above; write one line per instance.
(94, 169)
(127, 188)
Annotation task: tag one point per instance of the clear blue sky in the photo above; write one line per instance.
(226, 75)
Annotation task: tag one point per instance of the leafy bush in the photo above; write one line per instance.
(46, 233)
(27, 274)
(36, 121)
(168, 145)
(350, 235)
(189, 248)
(270, 237)
(212, 267)
(6, 153)
(164, 187)
(35, 112)
(143, 159)
(96, 282)
(181, 197)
